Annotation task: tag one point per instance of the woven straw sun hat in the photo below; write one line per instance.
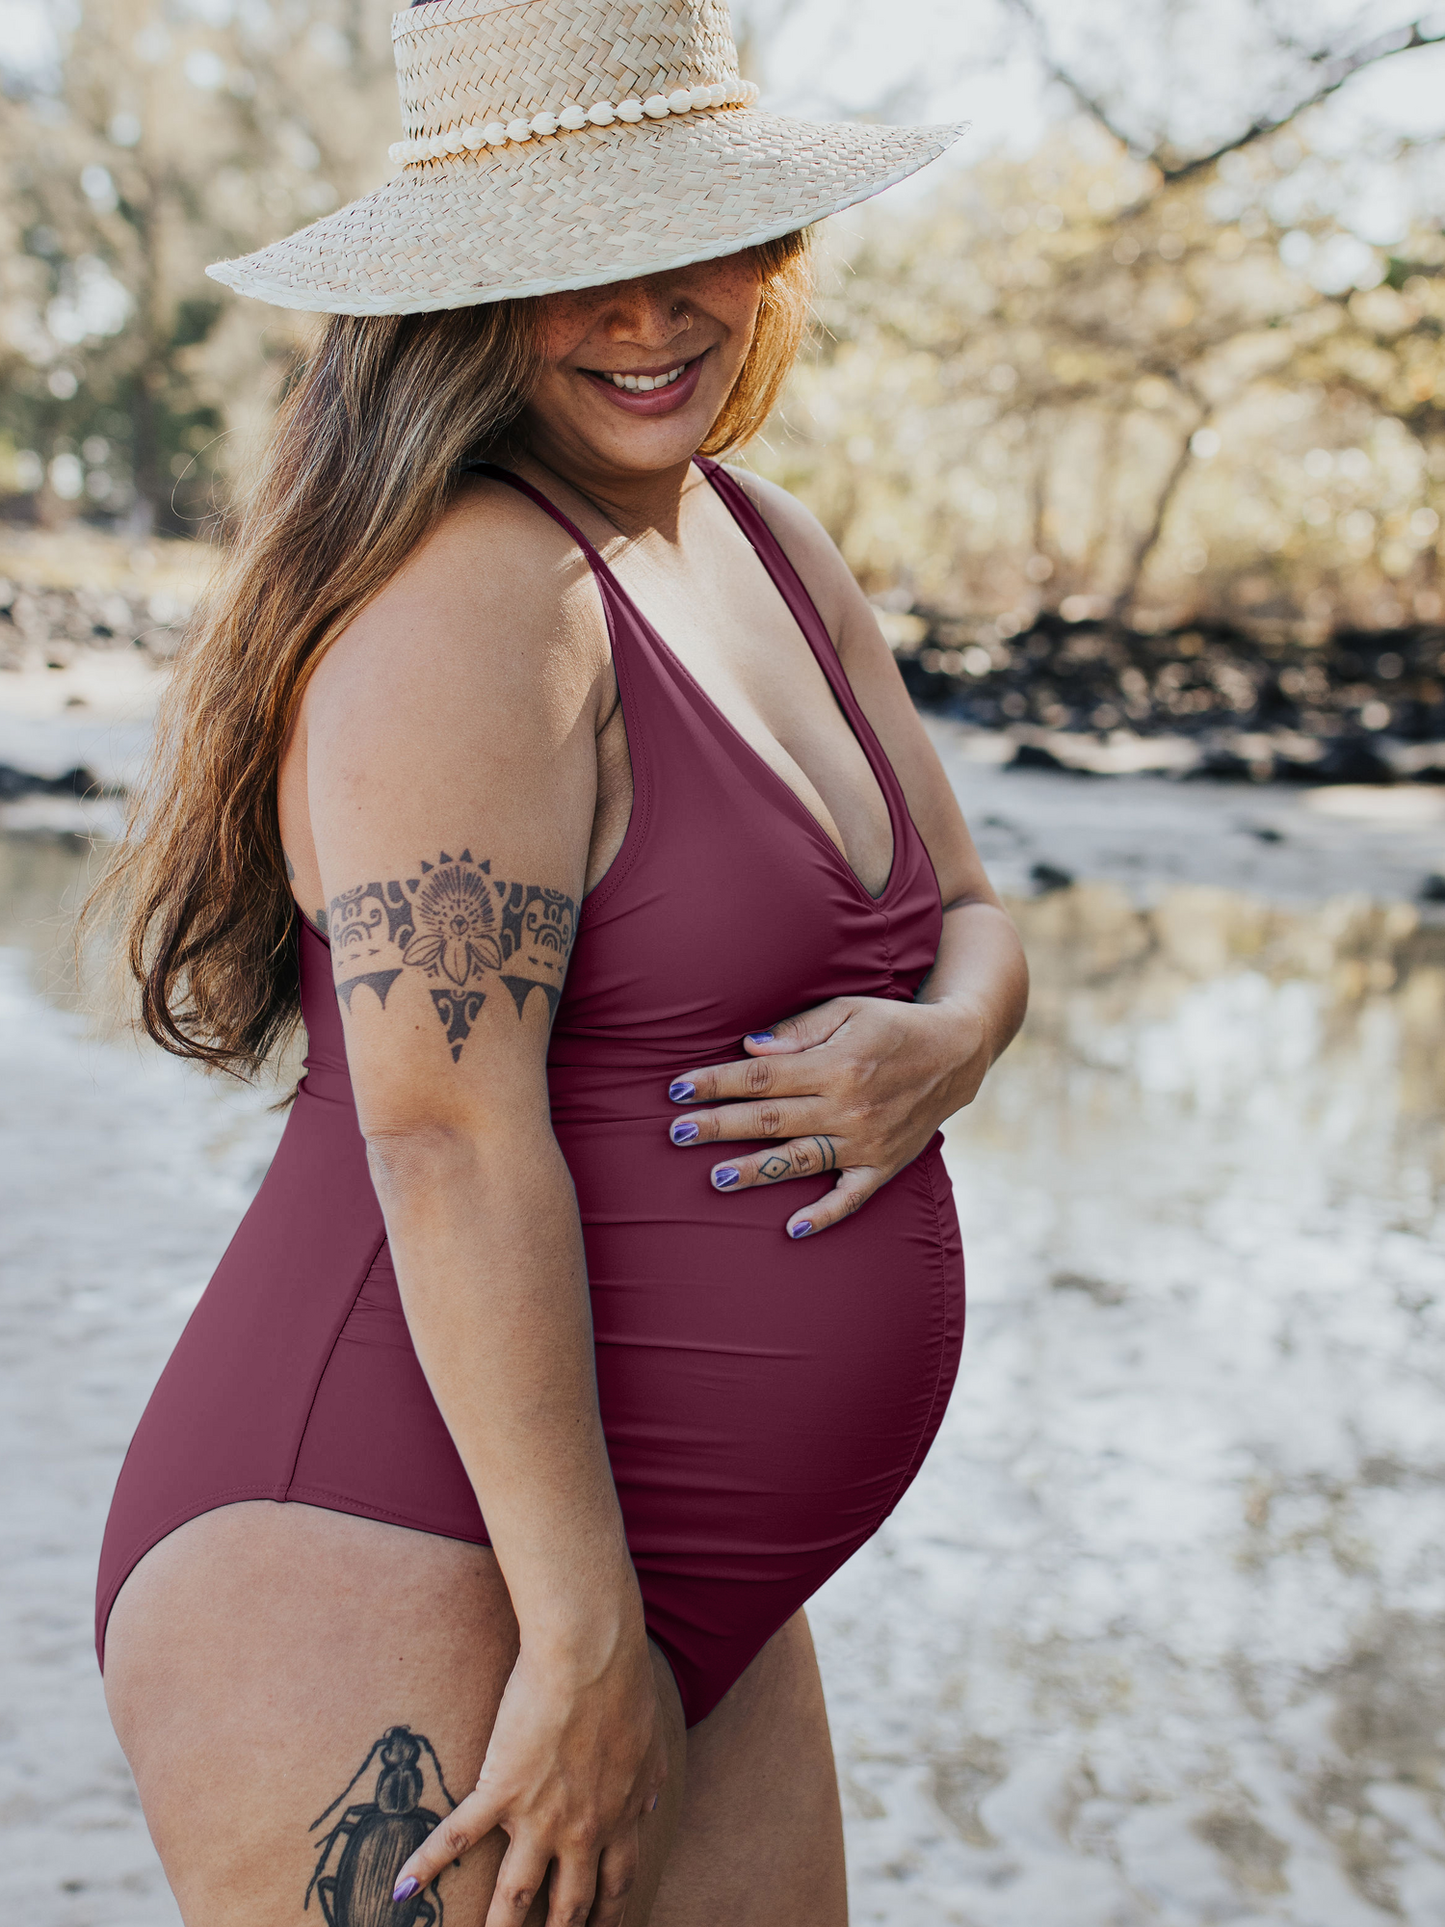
(567, 143)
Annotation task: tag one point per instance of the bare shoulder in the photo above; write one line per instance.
(459, 709)
(497, 600)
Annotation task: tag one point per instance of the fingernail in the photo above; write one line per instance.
(760, 1037)
(684, 1131)
(725, 1176)
(404, 1889)
(801, 1229)
(681, 1091)
(653, 1807)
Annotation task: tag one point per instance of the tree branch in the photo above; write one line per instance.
(1091, 104)
(1333, 71)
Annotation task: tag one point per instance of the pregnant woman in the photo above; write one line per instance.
(605, 1292)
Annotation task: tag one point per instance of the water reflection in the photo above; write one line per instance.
(43, 880)
(1159, 1636)
(1312, 1036)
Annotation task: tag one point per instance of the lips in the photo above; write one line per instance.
(662, 400)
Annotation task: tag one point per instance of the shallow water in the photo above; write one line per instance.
(1159, 1634)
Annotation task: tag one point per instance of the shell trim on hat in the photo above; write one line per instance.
(571, 118)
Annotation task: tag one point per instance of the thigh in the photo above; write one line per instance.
(298, 1693)
(760, 1837)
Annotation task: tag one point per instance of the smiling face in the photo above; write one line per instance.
(635, 374)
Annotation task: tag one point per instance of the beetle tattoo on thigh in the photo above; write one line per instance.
(463, 930)
(367, 1847)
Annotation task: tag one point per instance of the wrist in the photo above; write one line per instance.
(585, 1629)
(963, 1022)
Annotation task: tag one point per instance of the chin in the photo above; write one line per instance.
(652, 447)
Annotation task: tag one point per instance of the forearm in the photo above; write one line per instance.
(980, 972)
(488, 1252)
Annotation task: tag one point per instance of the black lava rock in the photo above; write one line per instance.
(1048, 877)
(22, 782)
(1256, 708)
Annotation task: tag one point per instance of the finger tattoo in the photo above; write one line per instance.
(774, 1167)
(828, 1152)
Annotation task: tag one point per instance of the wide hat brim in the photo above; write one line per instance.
(579, 210)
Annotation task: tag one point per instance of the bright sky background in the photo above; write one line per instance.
(1204, 68)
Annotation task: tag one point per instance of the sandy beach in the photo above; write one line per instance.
(1157, 1636)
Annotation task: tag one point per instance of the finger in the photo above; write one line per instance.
(803, 1157)
(748, 1077)
(463, 1827)
(520, 1878)
(760, 1072)
(574, 1887)
(804, 1032)
(853, 1190)
(781, 1117)
(616, 1877)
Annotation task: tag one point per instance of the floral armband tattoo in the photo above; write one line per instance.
(463, 929)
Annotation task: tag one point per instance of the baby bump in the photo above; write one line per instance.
(762, 1396)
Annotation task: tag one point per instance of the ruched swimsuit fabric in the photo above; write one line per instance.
(765, 1402)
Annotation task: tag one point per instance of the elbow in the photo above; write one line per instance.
(1016, 984)
(413, 1158)
(1020, 1008)
(431, 1155)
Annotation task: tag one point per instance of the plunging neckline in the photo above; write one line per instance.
(833, 674)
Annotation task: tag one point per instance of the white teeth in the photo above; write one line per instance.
(644, 384)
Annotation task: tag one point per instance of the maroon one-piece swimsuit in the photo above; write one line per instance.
(765, 1402)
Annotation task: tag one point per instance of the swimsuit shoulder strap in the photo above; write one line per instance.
(640, 691)
(535, 494)
(791, 586)
(775, 559)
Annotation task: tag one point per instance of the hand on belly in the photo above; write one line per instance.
(858, 1086)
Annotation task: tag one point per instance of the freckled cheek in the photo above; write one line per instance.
(729, 290)
(565, 326)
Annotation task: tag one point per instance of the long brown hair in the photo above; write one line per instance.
(365, 456)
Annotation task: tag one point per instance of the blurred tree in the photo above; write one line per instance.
(1145, 82)
(1149, 370)
(1147, 373)
(157, 137)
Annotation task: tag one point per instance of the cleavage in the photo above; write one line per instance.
(755, 666)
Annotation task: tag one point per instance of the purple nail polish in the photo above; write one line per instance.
(801, 1229)
(404, 1889)
(726, 1176)
(681, 1091)
(760, 1037)
(684, 1131)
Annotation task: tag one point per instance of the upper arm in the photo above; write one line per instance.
(451, 783)
(873, 675)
